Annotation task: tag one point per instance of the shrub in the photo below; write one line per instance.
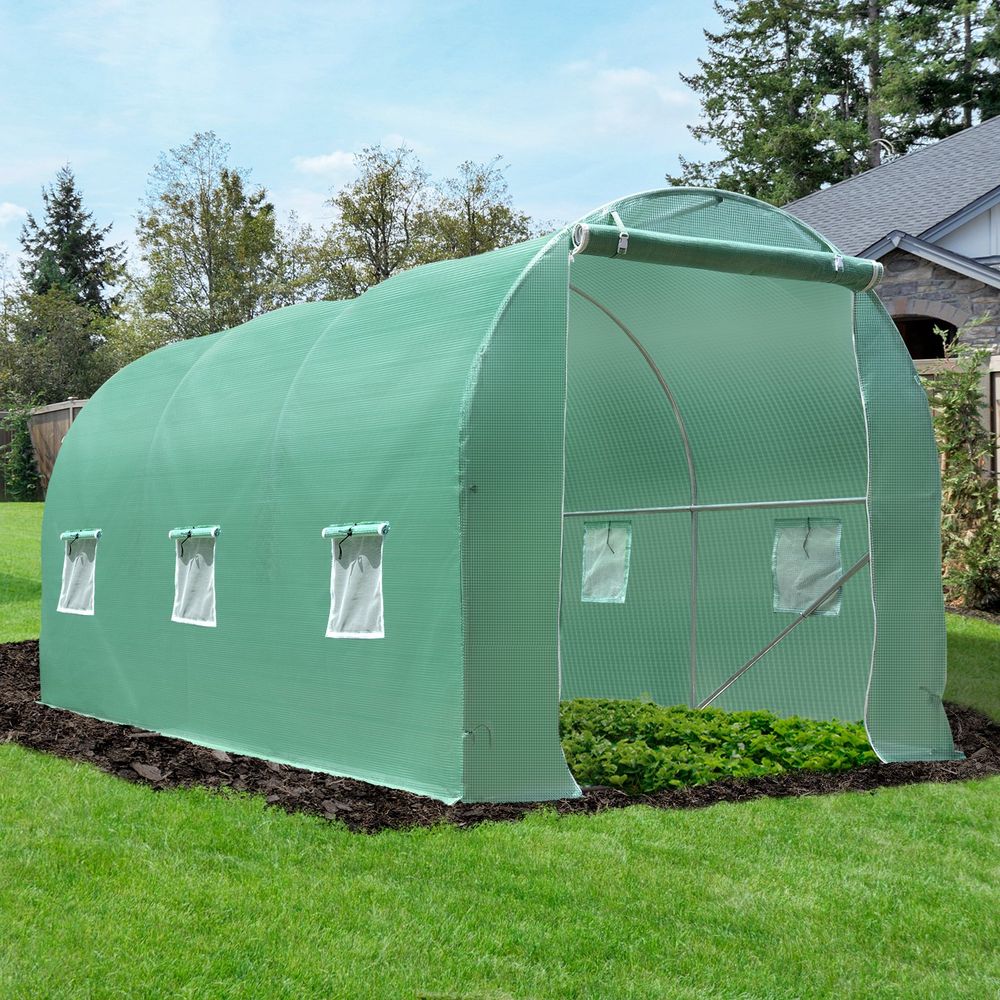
(970, 509)
(641, 747)
(20, 474)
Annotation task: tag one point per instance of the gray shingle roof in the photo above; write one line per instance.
(913, 193)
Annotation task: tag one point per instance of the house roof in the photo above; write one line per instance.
(920, 193)
(898, 240)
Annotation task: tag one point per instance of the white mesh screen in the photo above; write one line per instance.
(356, 588)
(76, 597)
(607, 549)
(194, 582)
(805, 564)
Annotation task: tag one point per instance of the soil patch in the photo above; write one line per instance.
(148, 758)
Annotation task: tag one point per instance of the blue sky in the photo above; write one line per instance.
(582, 99)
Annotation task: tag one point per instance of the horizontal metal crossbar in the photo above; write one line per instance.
(688, 508)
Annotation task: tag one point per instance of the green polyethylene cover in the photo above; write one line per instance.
(492, 409)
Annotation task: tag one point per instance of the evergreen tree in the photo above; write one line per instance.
(67, 251)
(801, 93)
(760, 102)
(945, 74)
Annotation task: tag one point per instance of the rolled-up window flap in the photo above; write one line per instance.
(72, 536)
(195, 531)
(360, 528)
(856, 273)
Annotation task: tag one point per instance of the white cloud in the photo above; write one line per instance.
(9, 212)
(311, 207)
(627, 100)
(336, 164)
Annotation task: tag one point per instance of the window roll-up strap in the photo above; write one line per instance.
(736, 257)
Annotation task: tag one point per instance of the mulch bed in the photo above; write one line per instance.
(151, 759)
(985, 616)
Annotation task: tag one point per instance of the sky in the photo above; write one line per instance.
(582, 99)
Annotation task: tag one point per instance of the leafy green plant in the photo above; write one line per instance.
(17, 459)
(970, 508)
(640, 747)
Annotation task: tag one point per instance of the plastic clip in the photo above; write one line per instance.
(622, 235)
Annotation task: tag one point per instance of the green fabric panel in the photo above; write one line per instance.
(763, 372)
(637, 649)
(904, 716)
(729, 255)
(275, 430)
(511, 491)
(820, 668)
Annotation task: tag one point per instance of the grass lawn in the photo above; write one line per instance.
(20, 570)
(112, 890)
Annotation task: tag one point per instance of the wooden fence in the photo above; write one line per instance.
(48, 426)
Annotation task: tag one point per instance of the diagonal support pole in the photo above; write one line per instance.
(825, 596)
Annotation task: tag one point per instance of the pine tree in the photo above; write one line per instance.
(67, 251)
(945, 71)
(760, 103)
(801, 93)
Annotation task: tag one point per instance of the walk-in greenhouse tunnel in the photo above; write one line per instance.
(676, 451)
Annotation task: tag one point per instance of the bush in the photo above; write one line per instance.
(970, 509)
(17, 460)
(641, 747)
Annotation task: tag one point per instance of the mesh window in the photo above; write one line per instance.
(607, 549)
(194, 582)
(76, 597)
(356, 588)
(806, 563)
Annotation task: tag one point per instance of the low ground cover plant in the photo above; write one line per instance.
(639, 746)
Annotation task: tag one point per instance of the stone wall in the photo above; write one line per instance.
(913, 286)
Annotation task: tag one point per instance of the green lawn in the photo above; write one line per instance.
(112, 890)
(20, 570)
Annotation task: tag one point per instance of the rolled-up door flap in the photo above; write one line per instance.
(639, 245)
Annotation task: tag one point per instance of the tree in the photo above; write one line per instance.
(17, 459)
(801, 93)
(384, 218)
(474, 213)
(207, 240)
(391, 218)
(68, 251)
(944, 74)
(760, 104)
(50, 352)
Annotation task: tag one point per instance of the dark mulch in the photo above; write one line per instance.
(985, 616)
(148, 758)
